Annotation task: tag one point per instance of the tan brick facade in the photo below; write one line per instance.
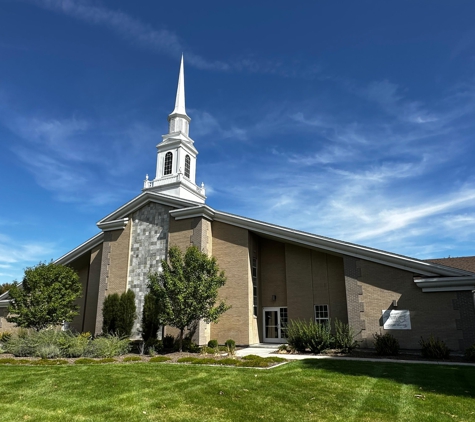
(431, 313)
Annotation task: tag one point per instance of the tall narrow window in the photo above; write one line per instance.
(167, 169)
(187, 166)
(254, 285)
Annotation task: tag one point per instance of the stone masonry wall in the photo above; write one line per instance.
(148, 246)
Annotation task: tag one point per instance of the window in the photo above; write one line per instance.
(254, 285)
(168, 163)
(187, 166)
(321, 314)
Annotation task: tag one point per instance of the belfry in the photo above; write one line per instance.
(176, 154)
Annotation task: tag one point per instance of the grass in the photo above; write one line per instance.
(306, 390)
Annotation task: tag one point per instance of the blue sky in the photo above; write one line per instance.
(349, 119)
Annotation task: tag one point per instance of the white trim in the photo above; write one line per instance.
(113, 225)
(81, 249)
(4, 303)
(325, 243)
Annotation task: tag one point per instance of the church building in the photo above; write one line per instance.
(274, 274)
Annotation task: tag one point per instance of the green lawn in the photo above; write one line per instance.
(311, 390)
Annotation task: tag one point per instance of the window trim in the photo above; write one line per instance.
(322, 308)
(168, 164)
(187, 166)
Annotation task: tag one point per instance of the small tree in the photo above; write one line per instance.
(150, 317)
(110, 313)
(46, 296)
(187, 289)
(5, 287)
(127, 314)
(118, 314)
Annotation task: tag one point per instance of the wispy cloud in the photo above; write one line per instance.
(164, 41)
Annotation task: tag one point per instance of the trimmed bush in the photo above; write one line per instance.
(150, 321)
(127, 314)
(344, 337)
(213, 344)
(159, 359)
(187, 359)
(434, 348)
(230, 346)
(110, 313)
(470, 353)
(227, 361)
(49, 362)
(132, 359)
(85, 361)
(386, 344)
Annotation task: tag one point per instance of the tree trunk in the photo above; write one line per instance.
(181, 340)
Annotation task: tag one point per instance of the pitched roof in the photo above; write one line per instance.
(466, 263)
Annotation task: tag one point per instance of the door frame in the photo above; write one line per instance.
(277, 309)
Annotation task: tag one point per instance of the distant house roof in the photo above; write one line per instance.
(466, 263)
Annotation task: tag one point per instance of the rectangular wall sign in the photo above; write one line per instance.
(396, 319)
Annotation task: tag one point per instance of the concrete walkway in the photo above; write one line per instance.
(270, 350)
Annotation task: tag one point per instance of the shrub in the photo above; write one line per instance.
(303, 335)
(230, 346)
(48, 351)
(74, 346)
(227, 361)
(159, 359)
(132, 359)
(190, 346)
(110, 313)
(168, 342)
(213, 344)
(4, 337)
(49, 362)
(127, 314)
(434, 348)
(108, 347)
(150, 319)
(344, 337)
(470, 353)
(187, 359)
(284, 348)
(85, 361)
(386, 344)
(20, 345)
(251, 357)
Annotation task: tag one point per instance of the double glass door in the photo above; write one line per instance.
(275, 325)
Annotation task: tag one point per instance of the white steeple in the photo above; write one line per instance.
(176, 155)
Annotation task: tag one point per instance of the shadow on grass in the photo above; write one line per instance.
(439, 379)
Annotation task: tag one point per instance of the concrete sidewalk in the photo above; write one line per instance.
(267, 351)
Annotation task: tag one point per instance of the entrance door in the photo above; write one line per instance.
(275, 325)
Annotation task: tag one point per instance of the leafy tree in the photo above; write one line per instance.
(150, 317)
(118, 314)
(187, 289)
(5, 287)
(45, 297)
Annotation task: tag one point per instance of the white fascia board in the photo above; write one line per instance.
(140, 200)
(113, 225)
(192, 212)
(81, 249)
(446, 284)
(308, 239)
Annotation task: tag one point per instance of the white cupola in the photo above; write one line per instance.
(176, 154)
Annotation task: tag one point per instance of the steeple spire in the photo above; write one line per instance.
(176, 158)
(180, 92)
(178, 120)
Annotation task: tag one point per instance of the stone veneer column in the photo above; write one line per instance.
(148, 246)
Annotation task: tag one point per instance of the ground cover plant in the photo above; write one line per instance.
(306, 390)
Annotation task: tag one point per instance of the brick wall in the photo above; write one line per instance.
(431, 313)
